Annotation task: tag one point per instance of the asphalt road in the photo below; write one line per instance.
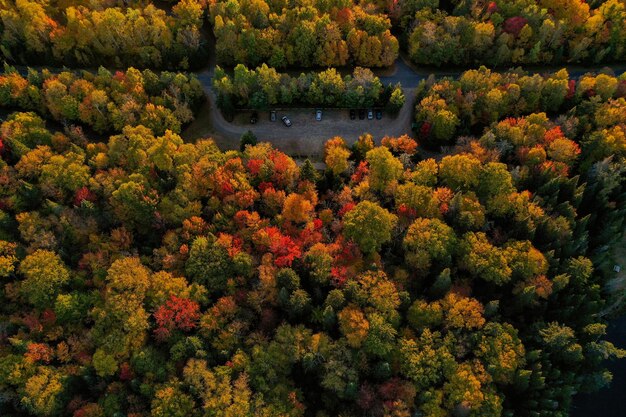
(306, 137)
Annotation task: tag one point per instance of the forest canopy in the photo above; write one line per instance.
(32, 32)
(448, 108)
(147, 276)
(465, 270)
(265, 87)
(317, 33)
(105, 101)
(505, 32)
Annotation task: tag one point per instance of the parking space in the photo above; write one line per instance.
(306, 136)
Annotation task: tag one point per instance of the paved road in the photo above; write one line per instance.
(306, 137)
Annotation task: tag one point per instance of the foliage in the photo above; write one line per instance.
(369, 225)
(502, 32)
(264, 87)
(149, 276)
(322, 34)
(449, 108)
(146, 36)
(106, 101)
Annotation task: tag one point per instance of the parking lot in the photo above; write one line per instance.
(306, 136)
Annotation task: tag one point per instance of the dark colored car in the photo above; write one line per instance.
(286, 121)
(379, 114)
(273, 116)
(352, 114)
(361, 114)
(254, 117)
(370, 114)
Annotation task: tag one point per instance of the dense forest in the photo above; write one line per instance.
(146, 276)
(463, 269)
(311, 33)
(37, 32)
(304, 33)
(105, 101)
(449, 108)
(505, 32)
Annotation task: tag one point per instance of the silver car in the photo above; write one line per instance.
(318, 115)
(286, 121)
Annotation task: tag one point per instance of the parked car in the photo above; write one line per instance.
(318, 115)
(273, 116)
(361, 114)
(379, 114)
(254, 117)
(352, 114)
(286, 121)
(370, 114)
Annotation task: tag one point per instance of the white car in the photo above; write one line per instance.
(318, 115)
(286, 121)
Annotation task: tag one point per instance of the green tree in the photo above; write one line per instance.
(396, 100)
(425, 359)
(384, 168)
(309, 172)
(460, 171)
(135, 205)
(44, 276)
(248, 138)
(369, 226)
(429, 241)
(104, 364)
(484, 260)
(209, 264)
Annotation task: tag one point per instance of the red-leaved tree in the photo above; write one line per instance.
(176, 313)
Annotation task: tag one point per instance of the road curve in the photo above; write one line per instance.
(307, 137)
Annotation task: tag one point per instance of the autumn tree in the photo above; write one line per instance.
(170, 401)
(297, 208)
(353, 325)
(121, 323)
(41, 392)
(483, 260)
(429, 241)
(384, 168)
(44, 276)
(369, 225)
(336, 155)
